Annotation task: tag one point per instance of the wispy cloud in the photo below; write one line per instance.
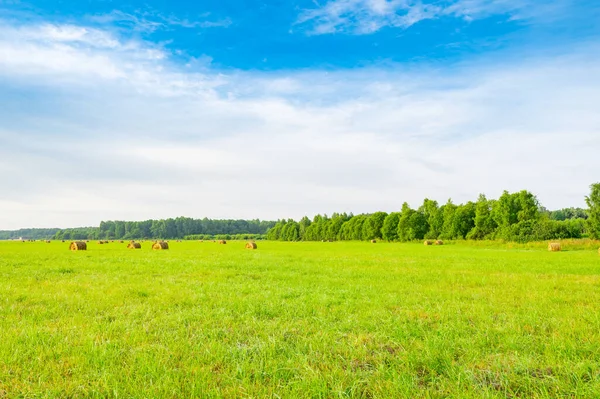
(96, 126)
(368, 16)
(149, 21)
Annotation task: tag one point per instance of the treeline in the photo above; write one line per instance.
(177, 228)
(32, 234)
(208, 237)
(513, 217)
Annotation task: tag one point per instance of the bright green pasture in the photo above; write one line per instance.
(327, 320)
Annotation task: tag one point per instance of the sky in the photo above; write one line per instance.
(279, 109)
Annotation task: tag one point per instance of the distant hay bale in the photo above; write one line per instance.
(439, 242)
(427, 242)
(62, 241)
(373, 241)
(160, 245)
(178, 240)
(47, 241)
(554, 247)
(134, 245)
(121, 242)
(222, 242)
(78, 246)
(251, 245)
(100, 242)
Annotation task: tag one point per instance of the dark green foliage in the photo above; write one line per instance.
(412, 225)
(593, 202)
(372, 226)
(151, 229)
(568, 213)
(389, 230)
(513, 217)
(485, 225)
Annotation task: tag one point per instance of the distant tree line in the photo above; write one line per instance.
(177, 228)
(251, 237)
(514, 217)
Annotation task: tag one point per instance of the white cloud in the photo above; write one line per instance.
(152, 21)
(368, 16)
(92, 132)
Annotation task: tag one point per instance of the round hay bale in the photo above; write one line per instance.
(222, 242)
(428, 242)
(554, 247)
(159, 245)
(134, 245)
(78, 246)
(373, 241)
(251, 245)
(439, 242)
(47, 241)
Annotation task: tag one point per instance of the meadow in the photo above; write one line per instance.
(299, 320)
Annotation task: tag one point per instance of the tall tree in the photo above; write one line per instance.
(593, 203)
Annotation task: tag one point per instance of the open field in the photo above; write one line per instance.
(287, 320)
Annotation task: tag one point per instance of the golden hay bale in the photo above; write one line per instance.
(100, 242)
(439, 242)
(134, 245)
(78, 246)
(222, 242)
(121, 242)
(554, 247)
(373, 241)
(427, 242)
(47, 241)
(160, 245)
(251, 245)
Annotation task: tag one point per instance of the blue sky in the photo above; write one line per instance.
(285, 108)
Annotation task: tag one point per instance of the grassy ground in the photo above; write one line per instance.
(299, 320)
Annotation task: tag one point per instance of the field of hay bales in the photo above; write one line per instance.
(343, 320)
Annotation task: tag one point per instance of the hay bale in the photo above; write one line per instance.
(134, 245)
(251, 245)
(47, 241)
(428, 242)
(439, 242)
(222, 242)
(78, 246)
(373, 241)
(160, 245)
(100, 242)
(554, 247)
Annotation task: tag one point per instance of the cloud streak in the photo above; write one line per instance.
(362, 17)
(96, 126)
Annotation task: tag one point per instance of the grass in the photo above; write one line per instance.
(323, 320)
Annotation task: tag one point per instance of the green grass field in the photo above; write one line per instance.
(325, 320)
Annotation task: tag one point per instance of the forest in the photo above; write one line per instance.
(516, 217)
(177, 228)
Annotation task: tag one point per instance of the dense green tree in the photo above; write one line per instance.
(434, 216)
(484, 223)
(372, 226)
(593, 203)
(389, 230)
